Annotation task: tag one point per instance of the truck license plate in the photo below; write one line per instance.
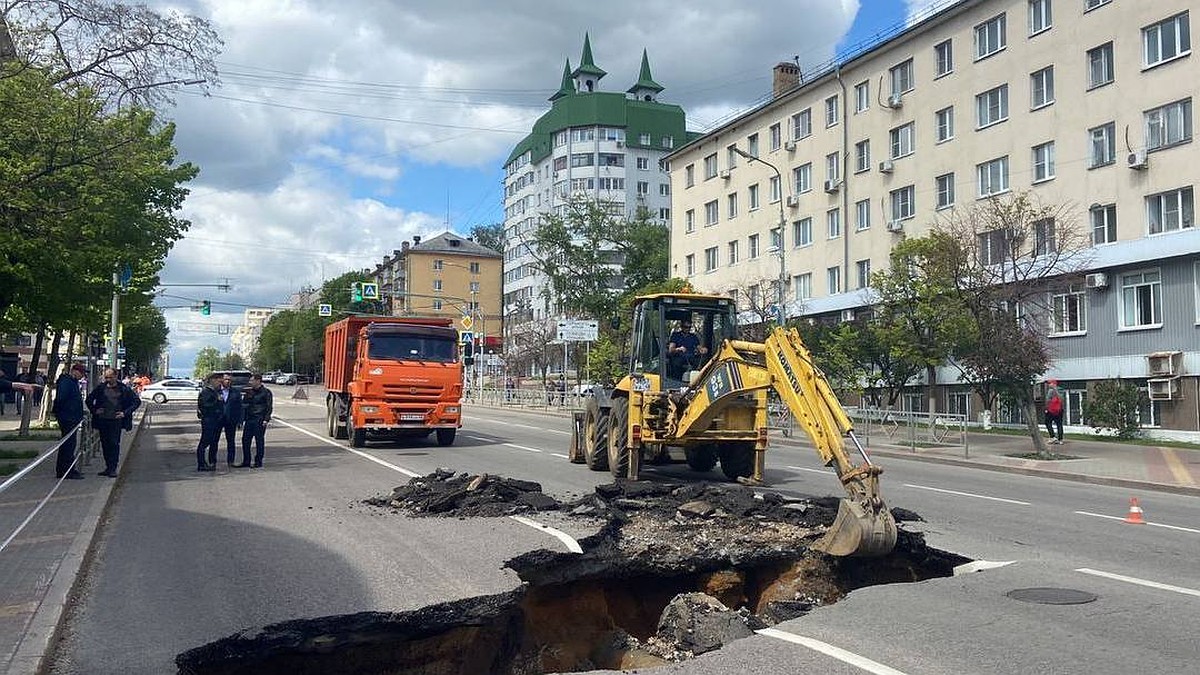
(411, 417)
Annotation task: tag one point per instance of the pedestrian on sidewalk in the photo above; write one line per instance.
(68, 411)
(7, 385)
(232, 398)
(210, 410)
(258, 404)
(112, 405)
(1054, 412)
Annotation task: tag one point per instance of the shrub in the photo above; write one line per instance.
(1112, 405)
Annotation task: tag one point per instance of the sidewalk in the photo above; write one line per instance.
(39, 568)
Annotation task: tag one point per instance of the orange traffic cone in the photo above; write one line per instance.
(1135, 513)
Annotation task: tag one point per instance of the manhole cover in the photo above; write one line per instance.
(1052, 596)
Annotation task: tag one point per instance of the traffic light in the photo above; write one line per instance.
(206, 308)
(356, 294)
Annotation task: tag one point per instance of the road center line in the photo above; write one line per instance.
(1140, 582)
(801, 468)
(366, 456)
(967, 494)
(521, 447)
(1168, 527)
(565, 538)
(556, 454)
(827, 649)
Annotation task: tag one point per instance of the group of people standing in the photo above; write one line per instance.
(221, 409)
(111, 404)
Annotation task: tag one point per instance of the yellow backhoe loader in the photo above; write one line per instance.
(694, 389)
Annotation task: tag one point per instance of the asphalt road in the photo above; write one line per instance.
(187, 557)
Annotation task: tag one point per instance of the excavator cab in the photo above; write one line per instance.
(675, 335)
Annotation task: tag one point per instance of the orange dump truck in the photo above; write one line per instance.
(392, 377)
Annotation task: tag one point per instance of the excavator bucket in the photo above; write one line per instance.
(859, 531)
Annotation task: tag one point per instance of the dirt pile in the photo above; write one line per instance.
(449, 494)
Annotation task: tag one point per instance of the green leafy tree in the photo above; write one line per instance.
(232, 361)
(208, 359)
(491, 236)
(145, 334)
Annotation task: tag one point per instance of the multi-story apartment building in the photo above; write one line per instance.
(1087, 104)
(244, 339)
(591, 145)
(449, 276)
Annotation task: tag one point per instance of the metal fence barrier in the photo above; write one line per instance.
(916, 429)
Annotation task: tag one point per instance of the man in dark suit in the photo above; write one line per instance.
(211, 411)
(112, 405)
(68, 410)
(231, 396)
(259, 405)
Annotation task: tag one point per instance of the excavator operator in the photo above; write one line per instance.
(684, 351)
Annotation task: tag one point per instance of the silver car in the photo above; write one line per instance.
(172, 390)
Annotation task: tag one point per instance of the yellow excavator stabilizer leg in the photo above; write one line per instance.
(859, 531)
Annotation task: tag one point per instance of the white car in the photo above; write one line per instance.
(172, 390)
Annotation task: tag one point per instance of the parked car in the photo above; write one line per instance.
(285, 378)
(584, 389)
(240, 378)
(171, 390)
(271, 375)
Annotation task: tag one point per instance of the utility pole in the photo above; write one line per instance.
(780, 311)
(116, 314)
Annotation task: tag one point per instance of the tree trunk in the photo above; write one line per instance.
(27, 407)
(1034, 425)
(931, 379)
(52, 363)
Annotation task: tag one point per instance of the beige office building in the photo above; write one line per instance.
(1084, 103)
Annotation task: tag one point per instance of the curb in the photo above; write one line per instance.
(46, 624)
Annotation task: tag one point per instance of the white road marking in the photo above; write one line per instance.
(827, 649)
(1167, 527)
(801, 468)
(327, 441)
(1140, 582)
(521, 447)
(967, 494)
(565, 538)
(980, 565)
(555, 454)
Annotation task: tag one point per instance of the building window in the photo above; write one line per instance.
(712, 213)
(1166, 40)
(732, 249)
(583, 159)
(643, 163)
(831, 111)
(993, 176)
(862, 156)
(862, 96)
(994, 246)
(664, 213)
(1104, 223)
(902, 141)
(1103, 146)
(753, 190)
(944, 119)
(1169, 125)
(990, 37)
(710, 166)
(1089, 5)
(731, 156)
(833, 167)
(689, 175)
(439, 265)
(775, 136)
(902, 201)
(1170, 211)
(1100, 65)
(802, 124)
(437, 304)
(803, 285)
(943, 54)
(710, 259)
(668, 142)
(776, 240)
(1141, 299)
(664, 189)
(902, 78)
(731, 205)
(1043, 162)
(1044, 240)
(833, 280)
(689, 220)
(775, 188)
(752, 145)
(1040, 16)
(1068, 313)
(1041, 88)
(945, 190)
(643, 187)
(991, 107)
(802, 232)
(862, 214)
(802, 178)
(689, 264)
(437, 284)
(862, 270)
(752, 243)
(833, 221)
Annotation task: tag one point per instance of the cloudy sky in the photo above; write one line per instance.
(340, 129)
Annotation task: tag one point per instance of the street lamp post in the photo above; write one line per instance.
(780, 312)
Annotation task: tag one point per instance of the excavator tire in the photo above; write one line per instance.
(618, 439)
(737, 459)
(595, 436)
(701, 457)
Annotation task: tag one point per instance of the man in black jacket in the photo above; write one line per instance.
(258, 402)
(68, 410)
(112, 405)
(232, 397)
(211, 411)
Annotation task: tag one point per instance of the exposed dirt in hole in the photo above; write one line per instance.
(676, 570)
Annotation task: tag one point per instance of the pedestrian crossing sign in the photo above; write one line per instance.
(370, 291)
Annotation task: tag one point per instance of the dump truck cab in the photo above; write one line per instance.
(659, 318)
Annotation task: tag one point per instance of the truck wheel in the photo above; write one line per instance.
(331, 420)
(446, 436)
(358, 437)
(701, 457)
(737, 459)
(618, 439)
(595, 436)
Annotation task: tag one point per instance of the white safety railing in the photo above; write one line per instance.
(916, 429)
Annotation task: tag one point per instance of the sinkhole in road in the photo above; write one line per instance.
(672, 572)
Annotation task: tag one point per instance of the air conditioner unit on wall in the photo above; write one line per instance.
(1137, 160)
(832, 185)
(620, 144)
(789, 145)
(792, 201)
(895, 101)
(726, 174)
(895, 226)
(1163, 364)
(1096, 280)
(1163, 389)
(886, 166)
